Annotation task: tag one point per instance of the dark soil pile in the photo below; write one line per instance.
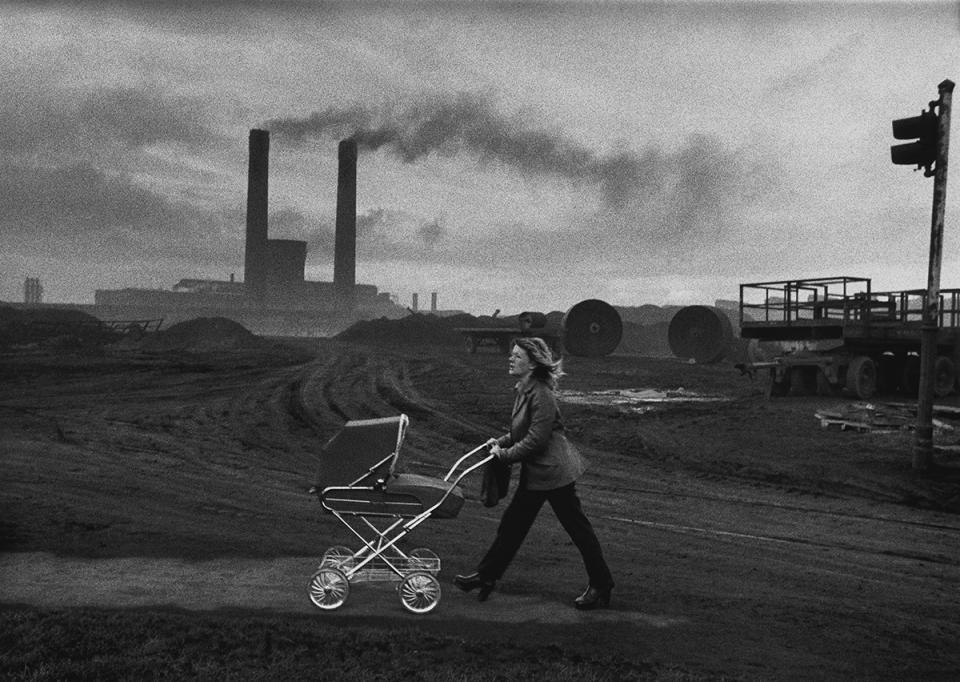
(426, 329)
(51, 327)
(650, 340)
(647, 314)
(420, 329)
(202, 334)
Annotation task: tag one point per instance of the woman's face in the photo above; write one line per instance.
(520, 363)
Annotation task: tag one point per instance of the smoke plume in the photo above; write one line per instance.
(468, 123)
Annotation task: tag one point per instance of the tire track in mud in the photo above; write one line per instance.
(619, 501)
(779, 587)
(354, 384)
(337, 389)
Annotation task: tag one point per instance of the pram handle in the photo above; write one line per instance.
(417, 520)
(471, 468)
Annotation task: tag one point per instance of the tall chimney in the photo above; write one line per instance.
(255, 253)
(345, 241)
(433, 302)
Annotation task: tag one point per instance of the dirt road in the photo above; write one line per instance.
(746, 540)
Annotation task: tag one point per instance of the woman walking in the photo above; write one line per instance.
(549, 468)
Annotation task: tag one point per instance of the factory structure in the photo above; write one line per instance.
(273, 298)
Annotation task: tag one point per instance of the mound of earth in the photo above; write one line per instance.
(647, 314)
(645, 339)
(417, 329)
(201, 335)
(61, 327)
(429, 329)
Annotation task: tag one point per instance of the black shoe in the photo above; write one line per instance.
(472, 582)
(593, 597)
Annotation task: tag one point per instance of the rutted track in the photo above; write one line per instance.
(744, 538)
(357, 384)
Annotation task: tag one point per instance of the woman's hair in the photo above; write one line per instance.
(545, 368)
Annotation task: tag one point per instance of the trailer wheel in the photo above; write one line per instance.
(944, 376)
(862, 377)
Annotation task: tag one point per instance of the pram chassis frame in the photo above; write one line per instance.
(416, 571)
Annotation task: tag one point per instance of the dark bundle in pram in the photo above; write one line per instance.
(358, 483)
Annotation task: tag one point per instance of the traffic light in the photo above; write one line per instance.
(925, 130)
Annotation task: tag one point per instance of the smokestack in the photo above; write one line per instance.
(32, 290)
(415, 302)
(345, 242)
(433, 302)
(255, 253)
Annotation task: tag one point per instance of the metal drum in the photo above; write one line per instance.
(592, 328)
(702, 333)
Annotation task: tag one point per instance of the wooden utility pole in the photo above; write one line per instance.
(923, 448)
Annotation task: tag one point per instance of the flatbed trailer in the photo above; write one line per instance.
(529, 324)
(501, 338)
(836, 334)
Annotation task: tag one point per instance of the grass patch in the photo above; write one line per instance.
(95, 644)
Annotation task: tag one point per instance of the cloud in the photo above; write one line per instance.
(100, 122)
(384, 235)
(468, 123)
(82, 178)
(830, 66)
(139, 119)
(79, 198)
(78, 210)
(289, 223)
(432, 232)
(668, 194)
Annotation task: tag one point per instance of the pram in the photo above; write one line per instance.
(380, 507)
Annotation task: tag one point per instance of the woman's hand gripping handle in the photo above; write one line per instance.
(494, 447)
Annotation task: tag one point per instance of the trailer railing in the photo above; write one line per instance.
(800, 301)
(839, 301)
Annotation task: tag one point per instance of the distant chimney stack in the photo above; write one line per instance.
(433, 302)
(32, 290)
(345, 241)
(255, 253)
(416, 302)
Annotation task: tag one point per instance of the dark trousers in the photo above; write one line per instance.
(518, 519)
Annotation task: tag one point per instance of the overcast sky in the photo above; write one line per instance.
(512, 155)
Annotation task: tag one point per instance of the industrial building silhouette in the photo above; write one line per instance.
(274, 297)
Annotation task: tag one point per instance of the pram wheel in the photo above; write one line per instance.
(338, 556)
(419, 592)
(423, 559)
(329, 588)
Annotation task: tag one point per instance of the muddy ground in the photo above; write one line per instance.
(747, 540)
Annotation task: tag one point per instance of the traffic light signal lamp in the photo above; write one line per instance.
(925, 130)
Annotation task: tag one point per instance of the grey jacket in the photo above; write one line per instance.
(536, 440)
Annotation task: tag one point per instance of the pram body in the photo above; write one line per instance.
(357, 483)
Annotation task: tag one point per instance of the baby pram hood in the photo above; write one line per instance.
(357, 474)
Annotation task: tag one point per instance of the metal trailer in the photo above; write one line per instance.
(530, 324)
(499, 337)
(836, 334)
